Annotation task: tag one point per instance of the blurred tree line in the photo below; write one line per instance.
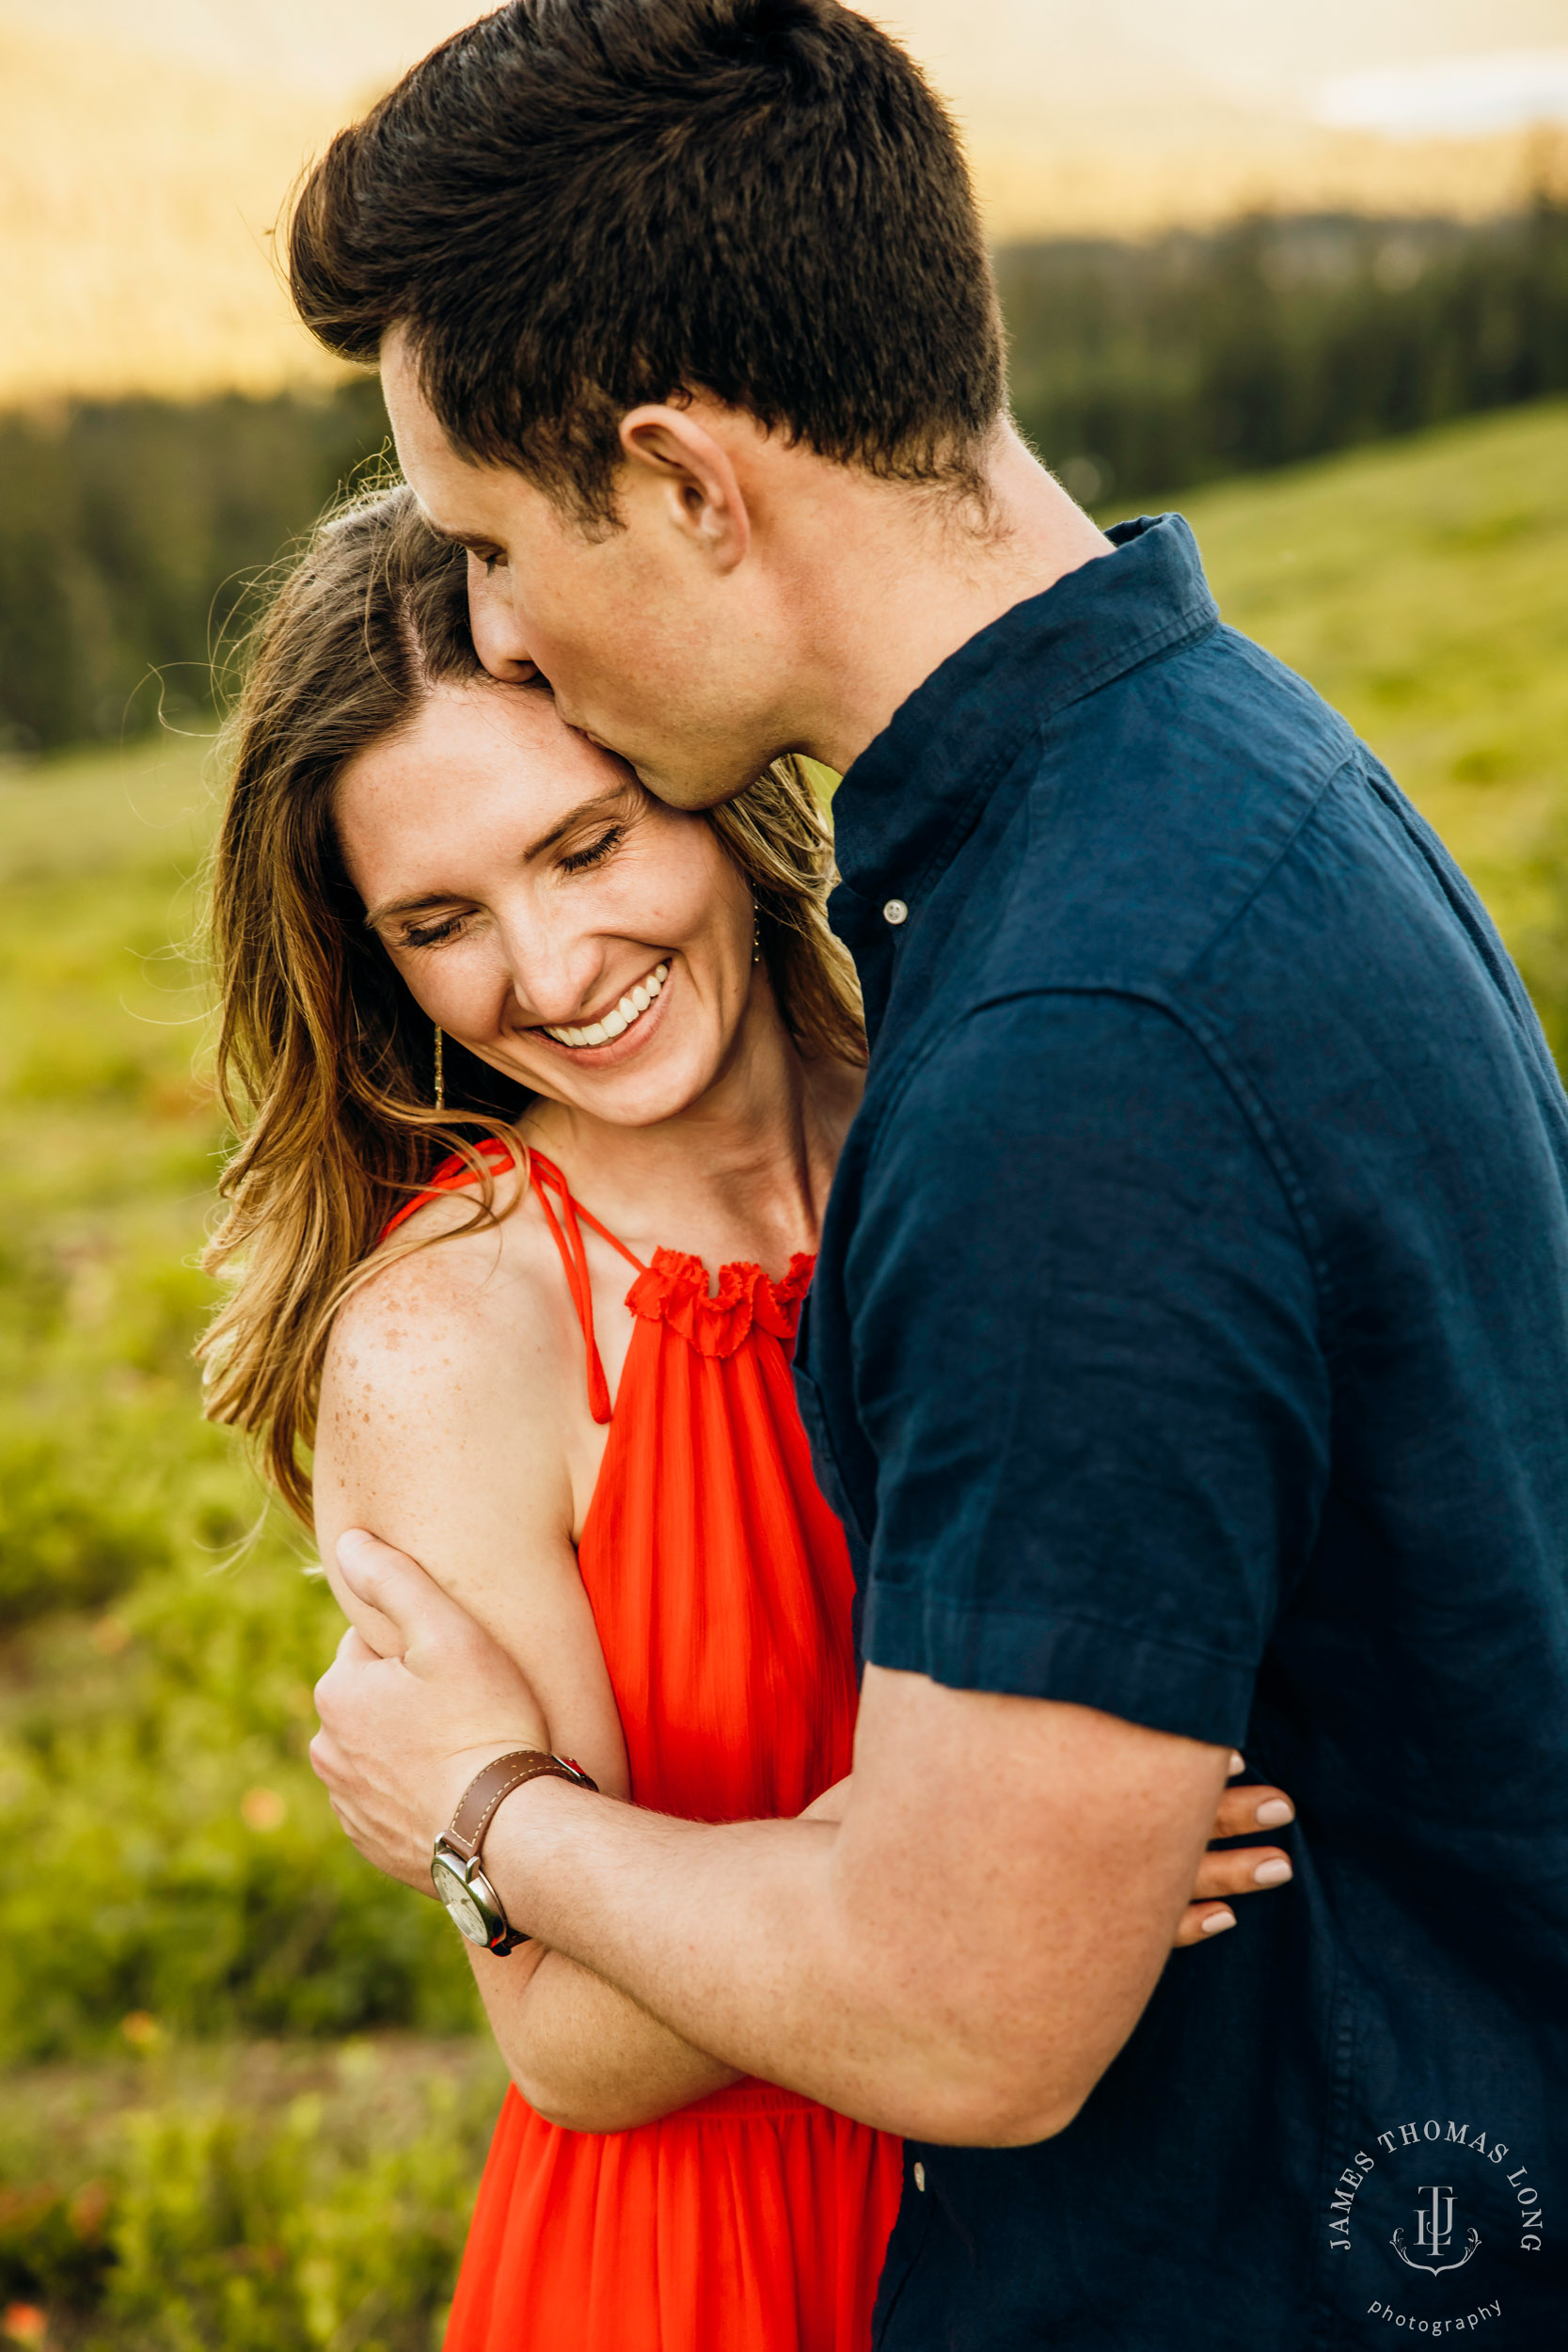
(1140, 368)
(130, 531)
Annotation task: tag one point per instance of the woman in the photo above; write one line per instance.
(443, 920)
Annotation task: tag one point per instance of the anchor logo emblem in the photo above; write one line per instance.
(1434, 2234)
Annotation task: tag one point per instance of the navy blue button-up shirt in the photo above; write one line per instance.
(1190, 1340)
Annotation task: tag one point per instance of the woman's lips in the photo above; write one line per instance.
(629, 1038)
(626, 1009)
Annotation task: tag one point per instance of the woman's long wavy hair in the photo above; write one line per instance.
(325, 1065)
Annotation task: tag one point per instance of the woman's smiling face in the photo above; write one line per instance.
(544, 910)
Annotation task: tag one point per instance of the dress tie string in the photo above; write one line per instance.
(545, 1178)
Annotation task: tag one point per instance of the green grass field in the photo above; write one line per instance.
(244, 2104)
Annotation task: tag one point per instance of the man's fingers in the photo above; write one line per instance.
(1244, 1810)
(393, 1586)
(1243, 1871)
(353, 1650)
(383, 1637)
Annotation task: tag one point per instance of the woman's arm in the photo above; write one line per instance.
(583, 2055)
(445, 1425)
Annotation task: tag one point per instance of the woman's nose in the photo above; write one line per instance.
(499, 639)
(553, 973)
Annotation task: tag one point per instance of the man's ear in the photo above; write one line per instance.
(689, 470)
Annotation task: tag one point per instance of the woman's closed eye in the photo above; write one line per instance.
(583, 861)
(432, 934)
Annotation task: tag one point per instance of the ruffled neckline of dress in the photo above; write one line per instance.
(675, 1289)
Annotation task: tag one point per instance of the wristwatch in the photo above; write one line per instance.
(476, 1909)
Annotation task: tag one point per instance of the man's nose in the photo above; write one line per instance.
(498, 640)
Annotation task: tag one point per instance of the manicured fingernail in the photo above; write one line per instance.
(1238, 1764)
(1274, 1815)
(1217, 1921)
(1273, 1873)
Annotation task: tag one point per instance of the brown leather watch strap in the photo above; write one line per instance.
(478, 1803)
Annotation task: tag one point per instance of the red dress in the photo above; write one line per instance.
(754, 2220)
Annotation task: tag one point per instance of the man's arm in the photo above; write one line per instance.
(959, 1960)
(959, 1957)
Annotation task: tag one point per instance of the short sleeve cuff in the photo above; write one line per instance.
(1187, 1690)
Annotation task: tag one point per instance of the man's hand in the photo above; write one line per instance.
(417, 1701)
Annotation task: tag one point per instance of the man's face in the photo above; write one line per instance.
(650, 651)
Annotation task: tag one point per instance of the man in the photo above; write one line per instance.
(1188, 1345)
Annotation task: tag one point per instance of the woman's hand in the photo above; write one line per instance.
(1240, 1869)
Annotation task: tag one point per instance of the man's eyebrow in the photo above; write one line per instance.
(619, 803)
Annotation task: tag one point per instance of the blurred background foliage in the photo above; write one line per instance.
(130, 531)
(187, 2157)
(246, 2100)
(1143, 368)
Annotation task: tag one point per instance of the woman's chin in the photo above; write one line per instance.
(629, 1094)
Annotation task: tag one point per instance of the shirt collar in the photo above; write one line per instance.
(913, 794)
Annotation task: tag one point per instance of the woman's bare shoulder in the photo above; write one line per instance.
(468, 1282)
(443, 1428)
(458, 1340)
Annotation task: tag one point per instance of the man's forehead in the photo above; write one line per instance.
(461, 499)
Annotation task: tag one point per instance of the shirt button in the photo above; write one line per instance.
(920, 2176)
(895, 912)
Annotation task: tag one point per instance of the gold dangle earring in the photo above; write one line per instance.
(756, 933)
(440, 1073)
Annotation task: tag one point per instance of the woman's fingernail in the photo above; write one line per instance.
(1238, 1764)
(1273, 1873)
(1275, 1813)
(1217, 1920)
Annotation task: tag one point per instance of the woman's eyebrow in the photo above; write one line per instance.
(375, 916)
(586, 812)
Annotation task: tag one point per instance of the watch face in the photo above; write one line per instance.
(464, 1912)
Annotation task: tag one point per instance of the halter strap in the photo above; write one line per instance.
(566, 1229)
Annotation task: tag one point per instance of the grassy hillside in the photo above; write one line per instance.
(145, 153)
(225, 2098)
(245, 2110)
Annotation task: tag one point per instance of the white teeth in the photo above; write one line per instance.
(615, 1023)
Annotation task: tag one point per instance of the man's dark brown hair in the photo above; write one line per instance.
(575, 206)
